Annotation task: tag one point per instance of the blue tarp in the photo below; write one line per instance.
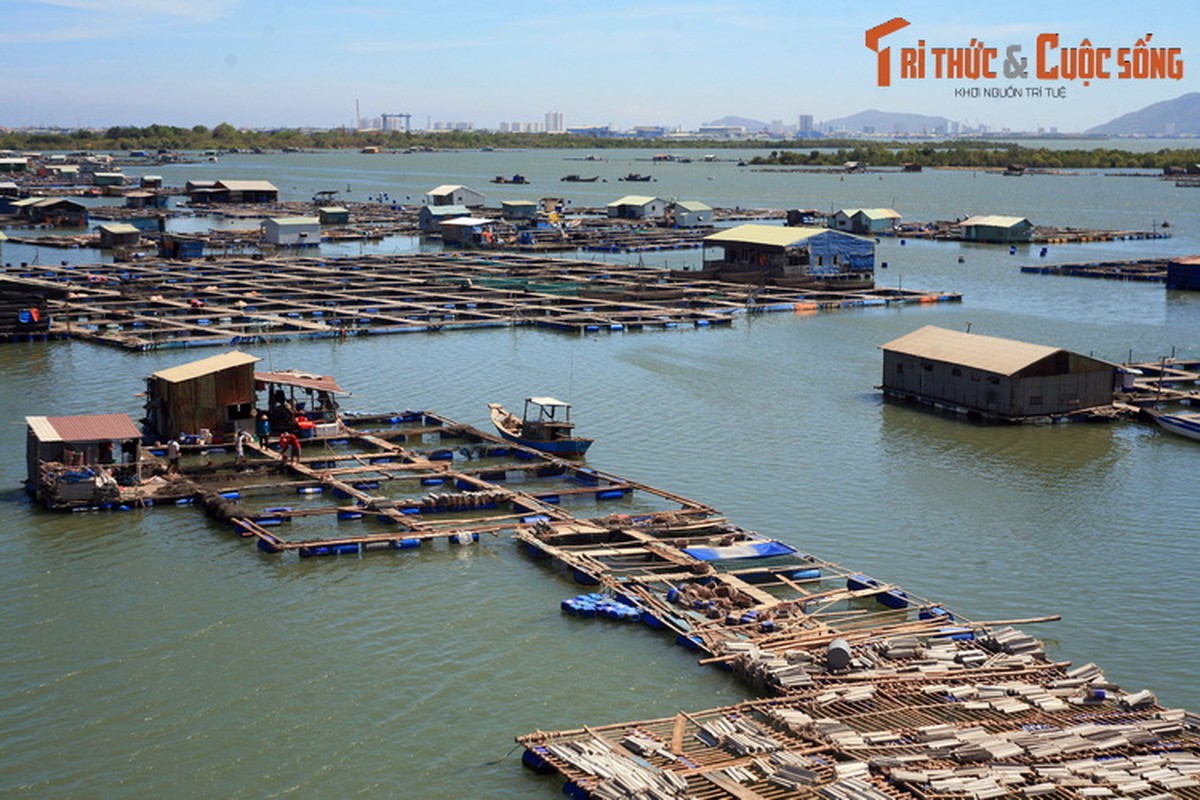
(762, 549)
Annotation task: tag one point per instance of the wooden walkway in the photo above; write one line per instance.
(153, 304)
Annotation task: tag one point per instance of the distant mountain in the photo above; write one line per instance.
(746, 122)
(1170, 117)
(886, 122)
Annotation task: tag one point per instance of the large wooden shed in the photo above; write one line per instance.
(214, 394)
(994, 378)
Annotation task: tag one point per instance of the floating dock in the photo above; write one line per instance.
(868, 691)
(1152, 270)
(152, 304)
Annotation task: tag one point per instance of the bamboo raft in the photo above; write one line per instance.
(152, 304)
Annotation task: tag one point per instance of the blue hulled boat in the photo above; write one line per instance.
(545, 425)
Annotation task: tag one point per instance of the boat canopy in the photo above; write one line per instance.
(547, 401)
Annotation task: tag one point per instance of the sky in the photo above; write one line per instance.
(266, 64)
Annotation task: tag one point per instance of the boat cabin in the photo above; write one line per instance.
(301, 402)
(546, 418)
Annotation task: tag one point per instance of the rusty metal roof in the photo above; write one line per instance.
(303, 380)
(84, 428)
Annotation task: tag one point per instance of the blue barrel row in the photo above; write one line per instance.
(596, 604)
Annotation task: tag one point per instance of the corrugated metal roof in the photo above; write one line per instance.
(446, 211)
(3, 237)
(874, 213)
(119, 227)
(248, 186)
(995, 221)
(692, 205)
(320, 383)
(205, 366)
(769, 235)
(83, 428)
(445, 188)
(466, 222)
(633, 200)
(334, 210)
(987, 353)
(294, 222)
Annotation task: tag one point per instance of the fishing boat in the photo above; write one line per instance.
(574, 178)
(1185, 423)
(635, 176)
(545, 425)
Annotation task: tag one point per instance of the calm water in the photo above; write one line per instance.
(150, 653)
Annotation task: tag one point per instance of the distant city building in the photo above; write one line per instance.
(592, 130)
(394, 122)
(806, 124)
(554, 122)
(722, 131)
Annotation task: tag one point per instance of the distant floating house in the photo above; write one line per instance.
(333, 215)
(430, 218)
(108, 179)
(1184, 273)
(690, 214)
(996, 229)
(118, 234)
(454, 195)
(81, 460)
(636, 206)
(784, 256)
(204, 192)
(292, 231)
(215, 394)
(9, 189)
(146, 199)
(151, 182)
(56, 211)
(24, 307)
(14, 164)
(865, 220)
(468, 231)
(994, 378)
(518, 210)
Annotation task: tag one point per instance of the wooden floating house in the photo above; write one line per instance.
(1184, 273)
(292, 231)
(454, 195)
(118, 234)
(689, 214)
(468, 231)
(996, 229)
(865, 220)
(993, 378)
(430, 218)
(57, 211)
(231, 191)
(214, 394)
(81, 459)
(334, 215)
(24, 311)
(636, 206)
(786, 256)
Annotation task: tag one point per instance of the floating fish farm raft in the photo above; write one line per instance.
(1152, 270)
(152, 304)
(866, 690)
